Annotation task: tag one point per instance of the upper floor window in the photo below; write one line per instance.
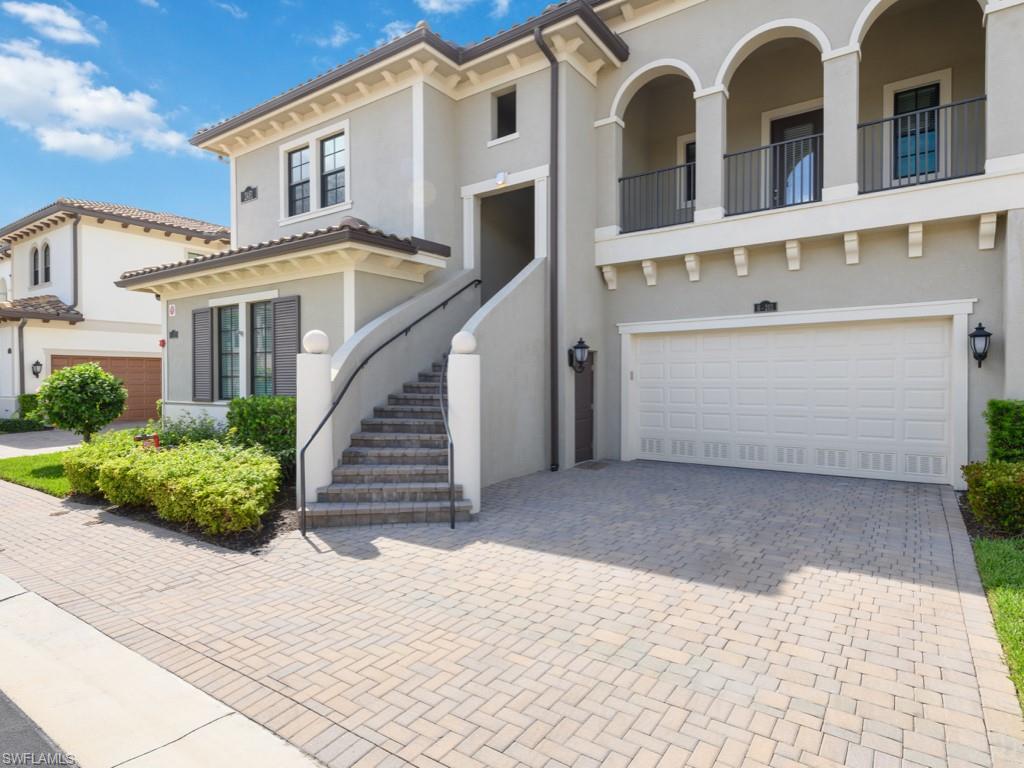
(916, 131)
(35, 266)
(504, 113)
(46, 262)
(298, 181)
(332, 170)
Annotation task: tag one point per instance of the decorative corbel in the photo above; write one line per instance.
(987, 231)
(793, 255)
(611, 277)
(742, 258)
(692, 266)
(915, 241)
(851, 244)
(650, 269)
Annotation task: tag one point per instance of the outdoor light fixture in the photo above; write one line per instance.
(578, 356)
(37, 368)
(981, 340)
(501, 179)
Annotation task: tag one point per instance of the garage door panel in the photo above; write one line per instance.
(141, 376)
(867, 399)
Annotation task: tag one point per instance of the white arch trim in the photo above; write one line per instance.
(627, 90)
(773, 30)
(870, 14)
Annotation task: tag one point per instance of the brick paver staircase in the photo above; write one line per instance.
(396, 468)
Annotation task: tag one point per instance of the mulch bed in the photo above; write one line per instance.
(280, 519)
(975, 528)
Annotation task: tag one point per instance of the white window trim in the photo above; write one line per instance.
(770, 116)
(312, 140)
(471, 194)
(503, 140)
(681, 142)
(242, 301)
(40, 245)
(957, 311)
(495, 95)
(944, 78)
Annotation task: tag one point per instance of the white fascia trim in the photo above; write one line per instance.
(513, 179)
(243, 298)
(805, 317)
(503, 139)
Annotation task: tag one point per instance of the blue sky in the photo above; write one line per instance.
(98, 99)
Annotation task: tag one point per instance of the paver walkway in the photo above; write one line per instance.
(642, 614)
(47, 440)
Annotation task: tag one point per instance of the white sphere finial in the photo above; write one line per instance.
(463, 343)
(315, 342)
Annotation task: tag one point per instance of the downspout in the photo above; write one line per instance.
(538, 36)
(74, 263)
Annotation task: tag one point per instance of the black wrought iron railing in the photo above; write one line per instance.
(933, 144)
(657, 199)
(774, 176)
(348, 383)
(442, 390)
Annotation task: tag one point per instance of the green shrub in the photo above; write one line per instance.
(82, 464)
(83, 399)
(10, 426)
(27, 405)
(995, 491)
(268, 422)
(1005, 420)
(123, 480)
(185, 429)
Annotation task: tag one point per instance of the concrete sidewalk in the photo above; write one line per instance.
(109, 706)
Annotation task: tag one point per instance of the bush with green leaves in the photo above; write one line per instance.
(82, 464)
(1005, 419)
(123, 480)
(995, 491)
(11, 426)
(82, 399)
(267, 421)
(185, 429)
(27, 405)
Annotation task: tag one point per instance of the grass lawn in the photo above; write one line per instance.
(42, 471)
(1001, 565)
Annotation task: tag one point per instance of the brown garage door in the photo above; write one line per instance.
(141, 377)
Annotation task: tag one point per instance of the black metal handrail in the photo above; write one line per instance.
(774, 176)
(348, 383)
(659, 198)
(920, 147)
(451, 441)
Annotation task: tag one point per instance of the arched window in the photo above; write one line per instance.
(35, 266)
(46, 262)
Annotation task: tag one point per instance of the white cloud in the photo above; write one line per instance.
(443, 6)
(340, 35)
(51, 21)
(234, 10)
(500, 8)
(394, 29)
(60, 103)
(150, 3)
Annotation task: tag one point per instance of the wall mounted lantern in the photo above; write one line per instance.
(37, 368)
(981, 340)
(578, 356)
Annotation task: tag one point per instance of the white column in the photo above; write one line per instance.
(1013, 307)
(842, 112)
(464, 414)
(313, 385)
(711, 144)
(1004, 31)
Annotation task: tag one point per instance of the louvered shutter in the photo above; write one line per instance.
(202, 355)
(286, 343)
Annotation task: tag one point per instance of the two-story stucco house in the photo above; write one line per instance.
(774, 223)
(59, 305)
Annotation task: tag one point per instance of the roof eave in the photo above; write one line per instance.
(77, 211)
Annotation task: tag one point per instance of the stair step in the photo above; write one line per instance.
(370, 455)
(391, 473)
(390, 492)
(329, 514)
(399, 440)
(425, 387)
(430, 376)
(407, 411)
(404, 426)
(415, 398)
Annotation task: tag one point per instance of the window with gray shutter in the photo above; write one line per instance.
(286, 343)
(202, 355)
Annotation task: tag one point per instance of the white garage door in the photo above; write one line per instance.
(868, 399)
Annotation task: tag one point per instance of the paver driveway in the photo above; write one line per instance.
(641, 614)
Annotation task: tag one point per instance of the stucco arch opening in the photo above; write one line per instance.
(776, 30)
(644, 75)
(872, 11)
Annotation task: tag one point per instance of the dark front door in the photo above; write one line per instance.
(796, 158)
(585, 411)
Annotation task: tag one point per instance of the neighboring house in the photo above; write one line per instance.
(59, 305)
(774, 223)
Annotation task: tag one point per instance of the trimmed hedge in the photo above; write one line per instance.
(82, 398)
(267, 421)
(1005, 420)
(219, 488)
(995, 491)
(11, 426)
(27, 405)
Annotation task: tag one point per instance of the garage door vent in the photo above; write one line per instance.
(876, 461)
(925, 464)
(833, 458)
(784, 455)
(684, 449)
(716, 450)
(652, 446)
(752, 452)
